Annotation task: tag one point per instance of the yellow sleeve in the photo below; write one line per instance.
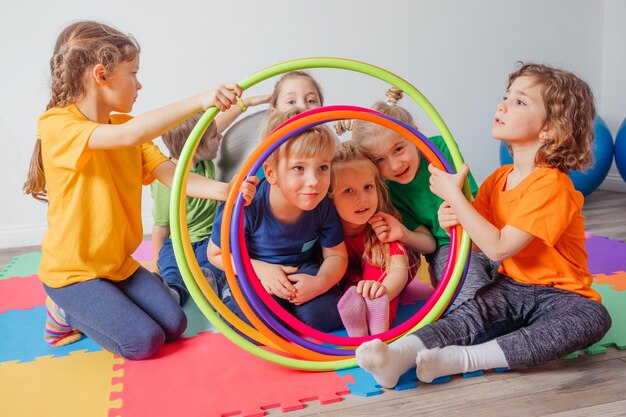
(65, 134)
(151, 157)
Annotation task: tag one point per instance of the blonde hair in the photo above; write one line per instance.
(79, 47)
(295, 74)
(348, 155)
(175, 138)
(363, 130)
(315, 141)
(570, 111)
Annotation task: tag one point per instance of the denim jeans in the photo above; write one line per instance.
(132, 318)
(168, 268)
(321, 312)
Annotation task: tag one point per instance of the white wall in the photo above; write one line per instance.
(458, 53)
(612, 107)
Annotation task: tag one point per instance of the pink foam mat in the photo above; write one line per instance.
(21, 293)
(207, 375)
(144, 252)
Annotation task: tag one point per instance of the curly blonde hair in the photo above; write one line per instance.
(363, 130)
(79, 47)
(570, 111)
(349, 154)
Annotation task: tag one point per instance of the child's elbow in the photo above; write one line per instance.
(128, 140)
(431, 247)
(496, 254)
(216, 262)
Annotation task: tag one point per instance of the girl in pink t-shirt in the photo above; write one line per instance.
(377, 271)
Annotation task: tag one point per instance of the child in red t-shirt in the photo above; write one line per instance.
(377, 271)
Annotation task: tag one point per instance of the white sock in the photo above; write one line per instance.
(451, 360)
(388, 363)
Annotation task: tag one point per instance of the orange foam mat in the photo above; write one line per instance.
(76, 385)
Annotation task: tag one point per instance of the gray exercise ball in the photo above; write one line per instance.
(237, 144)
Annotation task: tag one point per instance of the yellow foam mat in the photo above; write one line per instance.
(77, 385)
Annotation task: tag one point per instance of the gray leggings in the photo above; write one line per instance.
(532, 324)
(132, 318)
(481, 271)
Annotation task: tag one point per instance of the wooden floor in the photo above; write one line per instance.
(587, 386)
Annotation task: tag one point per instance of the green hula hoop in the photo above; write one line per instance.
(178, 216)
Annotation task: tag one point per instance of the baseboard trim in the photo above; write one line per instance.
(31, 235)
(23, 235)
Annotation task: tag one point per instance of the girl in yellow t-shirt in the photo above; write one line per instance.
(89, 164)
(527, 215)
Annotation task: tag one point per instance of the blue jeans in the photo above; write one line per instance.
(168, 268)
(132, 318)
(321, 312)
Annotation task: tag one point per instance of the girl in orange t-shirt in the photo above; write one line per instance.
(528, 216)
(90, 162)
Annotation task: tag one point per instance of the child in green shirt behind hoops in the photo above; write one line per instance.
(200, 212)
(405, 170)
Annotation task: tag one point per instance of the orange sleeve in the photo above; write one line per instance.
(545, 210)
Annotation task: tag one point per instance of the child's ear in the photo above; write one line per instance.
(545, 134)
(270, 173)
(99, 74)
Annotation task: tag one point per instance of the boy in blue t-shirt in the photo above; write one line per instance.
(287, 222)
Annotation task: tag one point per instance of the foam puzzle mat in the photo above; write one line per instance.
(194, 375)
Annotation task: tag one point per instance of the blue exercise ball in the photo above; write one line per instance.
(587, 182)
(620, 150)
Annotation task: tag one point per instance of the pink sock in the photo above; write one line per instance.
(377, 314)
(352, 311)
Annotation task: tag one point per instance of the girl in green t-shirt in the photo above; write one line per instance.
(405, 170)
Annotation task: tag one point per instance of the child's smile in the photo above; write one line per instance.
(302, 182)
(397, 159)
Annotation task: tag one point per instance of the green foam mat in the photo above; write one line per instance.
(615, 302)
(22, 266)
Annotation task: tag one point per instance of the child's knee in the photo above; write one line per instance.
(145, 342)
(176, 326)
(599, 319)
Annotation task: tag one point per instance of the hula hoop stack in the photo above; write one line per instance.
(274, 334)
